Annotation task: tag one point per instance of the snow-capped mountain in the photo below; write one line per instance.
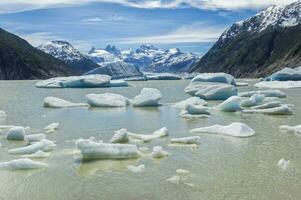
(67, 53)
(257, 46)
(147, 58)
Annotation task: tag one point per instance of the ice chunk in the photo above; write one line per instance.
(148, 97)
(291, 129)
(278, 84)
(271, 104)
(266, 93)
(281, 110)
(43, 145)
(158, 152)
(211, 91)
(120, 136)
(191, 101)
(118, 83)
(21, 164)
(286, 74)
(254, 100)
(52, 127)
(88, 81)
(180, 177)
(136, 169)
(107, 100)
(35, 137)
(232, 104)
(236, 129)
(162, 76)
(163, 132)
(186, 140)
(53, 102)
(16, 133)
(190, 111)
(91, 150)
(215, 77)
(38, 154)
(283, 164)
(242, 84)
(2, 114)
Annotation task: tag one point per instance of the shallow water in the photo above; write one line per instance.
(222, 167)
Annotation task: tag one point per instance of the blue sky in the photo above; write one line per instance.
(191, 25)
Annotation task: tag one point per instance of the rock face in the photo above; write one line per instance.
(20, 61)
(67, 53)
(258, 46)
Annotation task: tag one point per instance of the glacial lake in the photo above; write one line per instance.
(221, 167)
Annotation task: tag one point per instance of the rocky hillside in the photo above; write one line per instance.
(258, 46)
(19, 60)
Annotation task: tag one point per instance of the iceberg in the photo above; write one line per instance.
(215, 77)
(43, 145)
(2, 114)
(180, 177)
(232, 104)
(91, 150)
(148, 97)
(254, 100)
(162, 76)
(190, 111)
(107, 100)
(88, 81)
(163, 132)
(54, 102)
(278, 84)
(52, 127)
(242, 84)
(16, 133)
(211, 91)
(35, 137)
(291, 129)
(236, 129)
(136, 169)
(118, 83)
(120, 136)
(186, 140)
(38, 154)
(283, 164)
(286, 74)
(158, 152)
(191, 101)
(271, 104)
(22, 164)
(266, 93)
(281, 110)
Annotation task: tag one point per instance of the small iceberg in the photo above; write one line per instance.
(52, 127)
(43, 145)
(91, 150)
(215, 77)
(281, 110)
(158, 152)
(232, 104)
(286, 74)
(163, 132)
(186, 140)
(118, 83)
(107, 100)
(38, 154)
(192, 111)
(271, 104)
(291, 129)
(136, 169)
(22, 164)
(180, 177)
(283, 164)
(54, 102)
(266, 93)
(148, 97)
(278, 84)
(254, 100)
(87, 81)
(236, 129)
(16, 133)
(162, 76)
(35, 137)
(120, 136)
(192, 101)
(211, 91)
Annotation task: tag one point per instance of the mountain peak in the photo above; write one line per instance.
(112, 49)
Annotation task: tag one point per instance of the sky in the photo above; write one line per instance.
(190, 25)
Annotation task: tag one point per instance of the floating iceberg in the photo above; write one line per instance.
(163, 132)
(278, 84)
(286, 74)
(266, 93)
(215, 77)
(254, 100)
(211, 91)
(107, 100)
(232, 104)
(180, 177)
(291, 129)
(35, 137)
(118, 83)
(281, 110)
(136, 169)
(21, 164)
(191, 101)
(88, 81)
(53, 102)
(148, 97)
(242, 84)
(38, 154)
(271, 104)
(120, 136)
(190, 111)
(186, 140)
(43, 145)
(236, 129)
(52, 127)
(158, 152)
(16, 133)
(91, 150)
(162, 76)
(283, 164)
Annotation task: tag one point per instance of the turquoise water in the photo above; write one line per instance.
(221, 167)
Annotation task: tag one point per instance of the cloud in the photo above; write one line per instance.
(7, 6)
(104, 19)
(186, 34)
(37, 38)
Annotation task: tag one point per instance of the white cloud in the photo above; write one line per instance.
(21, 5)
(37, 38)
(104, 19)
